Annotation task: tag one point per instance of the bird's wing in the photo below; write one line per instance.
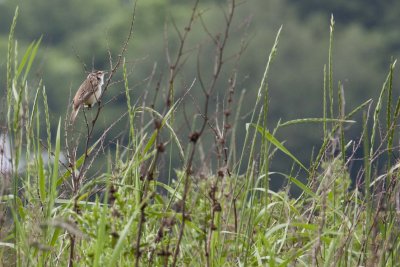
(84, 93)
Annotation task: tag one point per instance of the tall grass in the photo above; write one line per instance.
(226, 216)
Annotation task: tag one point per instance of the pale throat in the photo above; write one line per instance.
(98, 91)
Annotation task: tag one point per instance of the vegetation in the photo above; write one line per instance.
(179, 185)
(76, 37)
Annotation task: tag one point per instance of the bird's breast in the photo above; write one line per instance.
(94, 97)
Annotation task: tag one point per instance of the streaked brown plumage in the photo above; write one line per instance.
(88, 93)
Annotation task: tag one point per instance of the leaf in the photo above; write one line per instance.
(24, 60)
(267, 135)
(32, 57)
(53, 181)
(42, 178)
(303, 187)
(314, 120)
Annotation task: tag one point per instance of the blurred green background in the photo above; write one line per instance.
(78, 33)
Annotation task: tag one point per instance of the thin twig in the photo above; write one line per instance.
(197, 134)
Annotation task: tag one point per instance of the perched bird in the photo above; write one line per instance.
(88, 93)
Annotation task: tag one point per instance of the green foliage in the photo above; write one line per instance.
(88, 30)
(216, 211)
(364, 12)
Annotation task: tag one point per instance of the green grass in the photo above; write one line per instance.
(53, 215)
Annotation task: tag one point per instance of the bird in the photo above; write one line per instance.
(88, 93)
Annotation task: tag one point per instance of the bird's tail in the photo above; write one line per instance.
(74, 113)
